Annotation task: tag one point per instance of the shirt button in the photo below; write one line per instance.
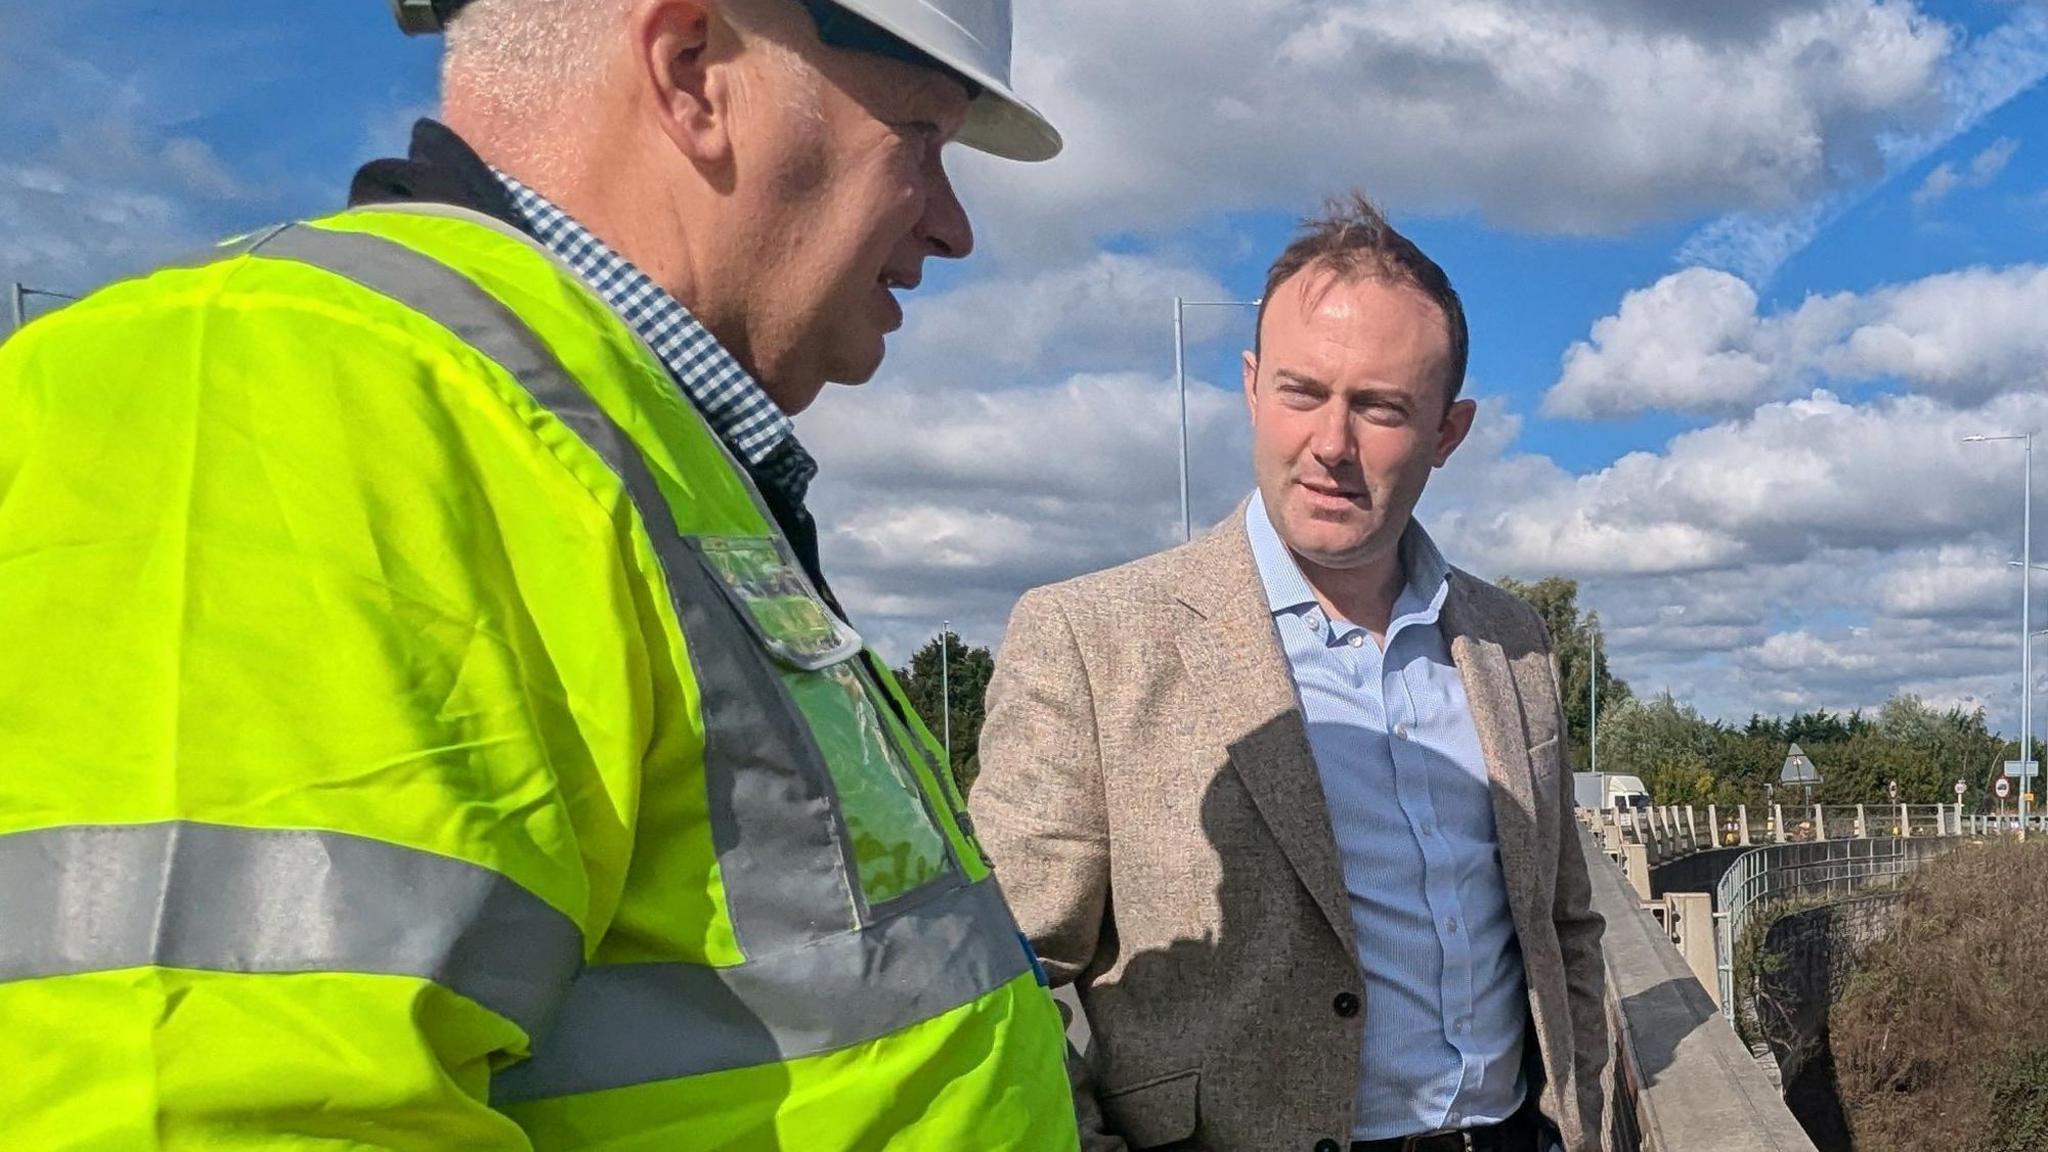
(1357, 640)
(1429, 829)
(1346, 1004)
(1451, 924)
(1463, 1027)
(1401, 731)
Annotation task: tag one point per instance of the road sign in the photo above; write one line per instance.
(2002, 789)
(1891, 790)
(1798, 769)
(1961, 788)
(2012, 768)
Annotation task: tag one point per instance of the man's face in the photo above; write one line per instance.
(1347, 398)
(854, 198)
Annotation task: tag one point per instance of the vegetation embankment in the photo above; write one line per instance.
(1940, 1040)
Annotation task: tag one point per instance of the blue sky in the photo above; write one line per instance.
(1739, 276)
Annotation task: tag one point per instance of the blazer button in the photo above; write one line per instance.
(1346, 1005)
(1328, 1146)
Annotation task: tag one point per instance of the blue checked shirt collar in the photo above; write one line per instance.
(733, 402)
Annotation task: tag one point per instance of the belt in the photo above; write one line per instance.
(1515, 1134)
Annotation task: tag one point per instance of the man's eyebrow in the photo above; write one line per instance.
(1292, 377)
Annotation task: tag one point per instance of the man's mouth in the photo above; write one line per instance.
(1332, 491)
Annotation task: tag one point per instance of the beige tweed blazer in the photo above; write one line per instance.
(1156, 819)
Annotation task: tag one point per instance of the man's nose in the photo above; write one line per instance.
(945, 225)
(1333, 443)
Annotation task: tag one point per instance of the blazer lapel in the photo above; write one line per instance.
(1234, 658)
(1496, 705)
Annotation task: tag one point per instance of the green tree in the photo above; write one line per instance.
(1556, 599)
(1665, 743)
(967, 674)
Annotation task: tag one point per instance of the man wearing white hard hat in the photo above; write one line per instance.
(427, 724)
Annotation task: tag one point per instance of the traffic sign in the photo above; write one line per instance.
(2002, 789)
(2012, 768)
(1961, 788)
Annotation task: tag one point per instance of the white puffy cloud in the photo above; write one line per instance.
(1092, 313)
(1984, 74)
(1948, 581)
(1812, 553)
(1695, 342)
(1579, 116)
(948, 503)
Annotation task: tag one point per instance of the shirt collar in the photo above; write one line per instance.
(1288, 591)
(738, 409)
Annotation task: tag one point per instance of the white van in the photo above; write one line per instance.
(1609, 790)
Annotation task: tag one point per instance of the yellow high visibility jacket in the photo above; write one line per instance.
(415, 735)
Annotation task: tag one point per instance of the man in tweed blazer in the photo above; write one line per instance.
(1288, 805)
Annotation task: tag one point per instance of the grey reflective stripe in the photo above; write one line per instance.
(783, 854)
(215, 898)
(637, 1023)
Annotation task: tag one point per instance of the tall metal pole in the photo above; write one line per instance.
(2026, 613)
(946, 686)
(17, 304)
(2026, 636)
(1180, 380)
(1593, 691)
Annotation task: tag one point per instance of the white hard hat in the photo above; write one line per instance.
(970, 37)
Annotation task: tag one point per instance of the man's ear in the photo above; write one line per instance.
(1251, 383)
(684, 48)
(1456, 426)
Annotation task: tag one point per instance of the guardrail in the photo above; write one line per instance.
(1778, 873)
(1688, 828)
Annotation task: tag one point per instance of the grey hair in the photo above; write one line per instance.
(530, 58)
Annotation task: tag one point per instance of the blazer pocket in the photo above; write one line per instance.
(1155, 1113)
(1546, 759)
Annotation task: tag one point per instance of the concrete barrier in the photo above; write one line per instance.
(1681, 1081)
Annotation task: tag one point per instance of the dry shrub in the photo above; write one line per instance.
(1940, 1039)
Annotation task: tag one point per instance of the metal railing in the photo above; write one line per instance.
(1677, 830)
(1823, 869)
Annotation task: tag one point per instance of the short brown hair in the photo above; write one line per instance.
(1352, 241)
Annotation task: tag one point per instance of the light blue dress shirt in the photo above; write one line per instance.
(1410, 806)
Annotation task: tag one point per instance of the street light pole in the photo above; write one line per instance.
(2026, 615)
(1180, 379)
(946, 686)
(17, 301)
(1180, 383)
(1593, 692)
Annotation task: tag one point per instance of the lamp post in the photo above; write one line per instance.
(946, 686)
(2026, 607)
(17, 302)
(1180, 379)
(1593, 690)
